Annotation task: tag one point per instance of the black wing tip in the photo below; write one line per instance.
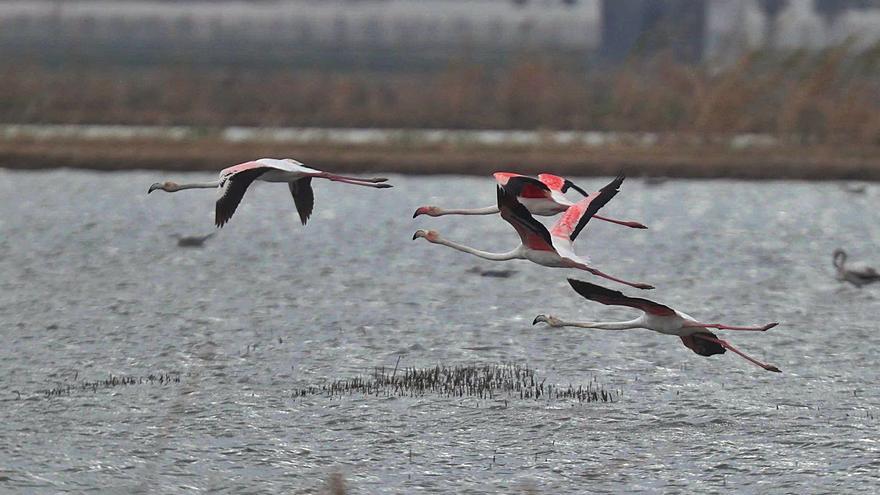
(501, 194)
(504, 196)
(702, 346)
(617, 182)
(569, 184)
(589, 290)
(219, 218)
(605, 195)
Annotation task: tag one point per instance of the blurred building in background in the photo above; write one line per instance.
(428, 30)
(632, 27)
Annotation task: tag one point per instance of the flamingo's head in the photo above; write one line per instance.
(431, 211)
(430, 235)
(165, 186)
(548, 319)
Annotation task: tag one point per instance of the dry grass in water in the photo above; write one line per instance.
(480, 381)
(66, 388)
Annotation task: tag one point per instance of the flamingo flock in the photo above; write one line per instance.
(519, 199)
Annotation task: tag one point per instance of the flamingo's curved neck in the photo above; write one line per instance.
(489, 210)
(510, 255)
(607, 325)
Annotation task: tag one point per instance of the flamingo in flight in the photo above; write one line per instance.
(659, 318)
(857, 274)
(543, 196)
(548, 248)
(235, 180)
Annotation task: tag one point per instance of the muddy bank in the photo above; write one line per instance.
(671, 160)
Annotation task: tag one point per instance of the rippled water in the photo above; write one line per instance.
(93, 284)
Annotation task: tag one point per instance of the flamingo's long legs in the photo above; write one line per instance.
(633, 225)
(343, 178)
(719, 326)
(357, 182)
(726, 345)
(598, 273)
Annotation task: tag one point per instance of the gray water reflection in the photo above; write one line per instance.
(91, 283)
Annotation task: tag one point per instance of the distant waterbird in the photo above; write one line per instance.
(192, 241)
(855, 188)
(543, 196)
(857, 274)
(235, 180)
(659, 318)
(492, 273)
(552, 248)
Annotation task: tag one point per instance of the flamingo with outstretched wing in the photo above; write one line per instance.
(234, 182)
(552, 248)
(659, 318)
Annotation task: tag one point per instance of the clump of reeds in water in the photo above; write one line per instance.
(482, 381)
(112, 381)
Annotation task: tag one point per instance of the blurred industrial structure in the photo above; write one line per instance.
(241, 31)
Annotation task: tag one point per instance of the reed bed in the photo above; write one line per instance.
(499, 382)
(803, 97)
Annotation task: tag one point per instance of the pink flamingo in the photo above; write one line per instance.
(548, 248)
(543, 196)
(235, 180)
(658, 318)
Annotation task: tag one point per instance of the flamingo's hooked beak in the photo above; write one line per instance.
(539, 319)
(157, 185)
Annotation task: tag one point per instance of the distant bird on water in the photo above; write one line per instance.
(192, 240)
(857, 274)
(543, 196)
(659, 318)
(234, 181)
(548, 248)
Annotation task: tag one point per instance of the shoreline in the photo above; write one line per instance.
(428, 152)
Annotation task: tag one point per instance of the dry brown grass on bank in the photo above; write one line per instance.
(826, 97)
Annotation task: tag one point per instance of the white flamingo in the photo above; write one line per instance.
(543, 196)
(659, 318)
(234, 181)
(548, 248)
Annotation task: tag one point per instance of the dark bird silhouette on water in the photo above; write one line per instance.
(857, 274)
(192, 241)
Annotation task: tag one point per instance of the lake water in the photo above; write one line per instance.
(93, 284)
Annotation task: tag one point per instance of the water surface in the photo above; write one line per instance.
(93, 284)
